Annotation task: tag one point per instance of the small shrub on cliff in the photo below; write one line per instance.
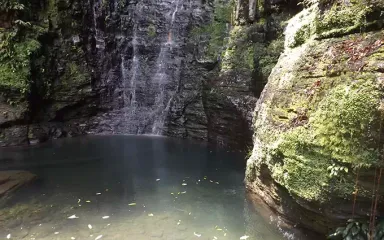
(18, 44)
(214, 35)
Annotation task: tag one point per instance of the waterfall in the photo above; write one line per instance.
(100, 44)
(151, 51)
(134, 72)
(130, 74)
(130, 103)
(162, 105)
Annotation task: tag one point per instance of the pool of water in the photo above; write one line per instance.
(130, 187)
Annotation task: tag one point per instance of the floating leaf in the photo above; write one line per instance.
(98, 237)
(73, 217)
(132, 204)
(105, 217)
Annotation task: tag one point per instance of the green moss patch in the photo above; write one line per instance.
(342, 18)
(343, 130)
(74, 76)
(215, 33)
(321, 116)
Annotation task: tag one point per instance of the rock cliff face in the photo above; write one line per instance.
(47, 64)
(195, 69)
(318, 123)
(190, 69)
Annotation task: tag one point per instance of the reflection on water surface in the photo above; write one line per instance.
(130, 187)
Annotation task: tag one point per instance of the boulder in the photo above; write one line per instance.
(316, 156)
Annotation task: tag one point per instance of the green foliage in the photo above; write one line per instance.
(215, 34)
(301, 35)
(11, 5)
(240, 52)
(334, 18)
(268, 55)
(152, 31)
(15, 65)
(16, 50)
(52, 13)
(249, 56)
(301, 27)
(335, 170)
(359, 229)
(17, 46)
(74, 74)
(308, 3)
(260, 5)
(223, 11)
(342, 18)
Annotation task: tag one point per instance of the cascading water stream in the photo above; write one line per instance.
(98, 35)
(130, 75)
(151, 44)
(160, 78)
(130, 94)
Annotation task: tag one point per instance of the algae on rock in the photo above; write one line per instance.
(318, 122)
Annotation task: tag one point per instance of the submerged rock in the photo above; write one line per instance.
(12, 180)
(318, 121)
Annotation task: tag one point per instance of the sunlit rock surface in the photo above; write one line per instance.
(318, 121)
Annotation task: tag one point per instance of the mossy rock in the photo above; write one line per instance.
(318, 123)
(341, 18)
(214, 35)
(334, 18)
